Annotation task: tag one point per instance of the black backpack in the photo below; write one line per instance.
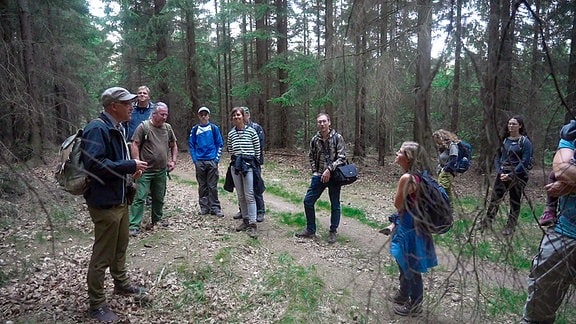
(431, 207)
(464, 156)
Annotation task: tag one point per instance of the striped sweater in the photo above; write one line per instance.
(244, 142)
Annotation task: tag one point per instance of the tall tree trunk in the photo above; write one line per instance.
(287, 138)
(360, 44)
(162, 51)
(455, 107)
(422, 128)
(261, 17)
(571, 84)
(381, 134)
(35, 122)
(488, 91)
(192, 84)
(330, 53)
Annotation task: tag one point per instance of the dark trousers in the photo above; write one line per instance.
(515, 187)
(207, 177)
(411, 286)
(259, 192)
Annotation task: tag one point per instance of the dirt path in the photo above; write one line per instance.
(200, 269)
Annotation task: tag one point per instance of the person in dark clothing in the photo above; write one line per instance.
(107, 161)
(512, 174)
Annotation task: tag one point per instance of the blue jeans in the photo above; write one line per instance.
(155, 183)
(411, 285)
(314, 192)
(245, 189)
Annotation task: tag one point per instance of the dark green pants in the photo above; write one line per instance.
(155, 183)
(108, 251)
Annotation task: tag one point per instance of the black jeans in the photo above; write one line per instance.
(516, 188)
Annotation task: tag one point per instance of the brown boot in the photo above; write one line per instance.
(243, 226)
(252, 231)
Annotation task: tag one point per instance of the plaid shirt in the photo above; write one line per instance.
(327, 154)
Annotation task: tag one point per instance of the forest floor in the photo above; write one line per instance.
(199, 269)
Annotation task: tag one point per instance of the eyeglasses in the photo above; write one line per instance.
(125, 102)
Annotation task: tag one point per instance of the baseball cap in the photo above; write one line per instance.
(204, 109)
(116, 94)
(246, 109)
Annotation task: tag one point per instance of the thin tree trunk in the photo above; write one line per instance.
(455, 107)
(422, 128)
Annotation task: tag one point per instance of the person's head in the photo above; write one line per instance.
(237, 114)
(117, 102)
(143, 95)
(159, 114)
(515, 126)
(323, 123)
(443, 138)
(246, 115)
(204, 115)
(409, 156)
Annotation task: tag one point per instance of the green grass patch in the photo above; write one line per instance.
(292, 219)
(301, 288)
(504, 300)
(193, 281)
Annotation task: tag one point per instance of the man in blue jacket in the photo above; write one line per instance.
(142, 111)
(107, 161)
(206, 144)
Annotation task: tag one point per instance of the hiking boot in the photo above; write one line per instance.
(547, 218)
(408, 309)
(204, 212)
(163, 223)
(103, 314)
(385, 231)
(129, 290)
(260, 218)
(238, 215)
(483, 225)
(217, 213)
(398, 298)
(243, 226)
(251, 230)
(331, 237)
(149, 227)
(305, 234)
(133, 232)
(508, 230)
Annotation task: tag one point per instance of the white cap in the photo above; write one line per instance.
(204, 109)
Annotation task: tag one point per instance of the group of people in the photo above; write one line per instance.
(553, 268)
(114, 162)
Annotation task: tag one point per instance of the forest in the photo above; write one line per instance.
(385, 71)
(369, 64)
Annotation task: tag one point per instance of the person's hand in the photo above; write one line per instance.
(140, 167)
(171, 165)
(325, 176)
(557, 189)
(388, 229)
(505, 177)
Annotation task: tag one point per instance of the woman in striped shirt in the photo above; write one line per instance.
(244, 148)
